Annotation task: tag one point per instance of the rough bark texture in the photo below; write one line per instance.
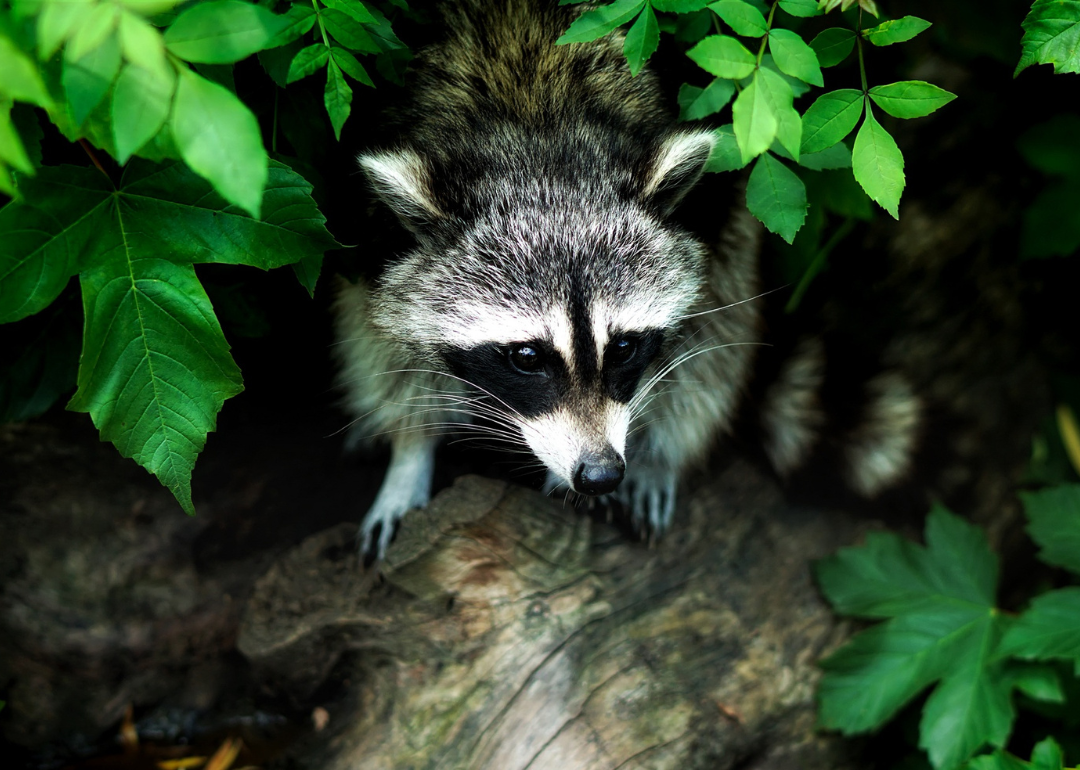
(512, 632)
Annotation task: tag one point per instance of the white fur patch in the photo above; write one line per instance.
(559, 439)
(681, 155)
(880, 452)
(400, 177)
(791, 415)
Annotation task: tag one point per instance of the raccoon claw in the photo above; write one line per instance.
(379, 532)
(652, 505)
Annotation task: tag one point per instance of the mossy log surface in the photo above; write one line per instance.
(514, 632)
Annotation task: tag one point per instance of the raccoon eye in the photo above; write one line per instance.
(620, 351)
(526, 358)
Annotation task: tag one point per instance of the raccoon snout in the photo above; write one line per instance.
(599, 473)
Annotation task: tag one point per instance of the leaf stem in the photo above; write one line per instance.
(86, 146)
(322, 29)
(765, 39)
(816, 266)
(858, 45)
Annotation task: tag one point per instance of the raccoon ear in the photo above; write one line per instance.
(676, 167)
(401, 179)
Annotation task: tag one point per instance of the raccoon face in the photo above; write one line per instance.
(556, 303)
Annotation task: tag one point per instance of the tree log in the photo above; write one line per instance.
(514, 632)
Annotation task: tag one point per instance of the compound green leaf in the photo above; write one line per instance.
(87, 80)
(350, 66)
(1054, 524)
(801, 8)
(725, 155)
(22, 79)
(896, 31)
(307, 61)
(1051, 36)
(156, 368)
(222, 31)
(788, 120)
(348, 31)
(833, 45)
(1049, 629)
(338, 97)
(600, 21)
(756, 124)
(777, 197)
(831, 118)
(910, 98)
(697, 103)
(742, 17)
(723, 56)
(219, 138)
(838, 191)
(1047, 755)
(878, 165)
(141, 102)
(942, 627)
(641, 40)
(794, 57)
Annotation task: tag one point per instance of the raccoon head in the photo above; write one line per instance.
(556, 299)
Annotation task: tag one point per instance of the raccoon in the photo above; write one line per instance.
(549, 298)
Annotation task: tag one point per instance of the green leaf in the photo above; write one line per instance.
(222, 31)
(1037, 681)
(833, 45)
(742, 17)
(1051, 36)
(1050, 226)
(896, 31)
(723, 56)
(802, 8)
(999, 760)
(39, 363)
(97, 25)
(22, 79)
(697, 103)
(600, 21)
(352, 8)
(1047, 755)
(910, 98)
(837, 156)
(43, 243)
(348, 31)
(942, 627)
(777, 197)
(141, 103)
(725, 155)
(641, 40)
(350, 66)
(679, 6)
(1051, 146)
(1054, 524)
(219, 138)
(12, 151)
(878, 165)
(1049, 629)
(87, 80)
(298, 20)
(143, 46)
(338, 98)
(56, 23)
(794, 56)
(307, 272)
(756, 124)
(155, 368)
(831, 118)
(788, 121)
(307, 61)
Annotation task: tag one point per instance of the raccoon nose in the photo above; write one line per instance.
(599, 473)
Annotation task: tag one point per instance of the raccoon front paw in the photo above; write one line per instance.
(381, 523)
(650, 497)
